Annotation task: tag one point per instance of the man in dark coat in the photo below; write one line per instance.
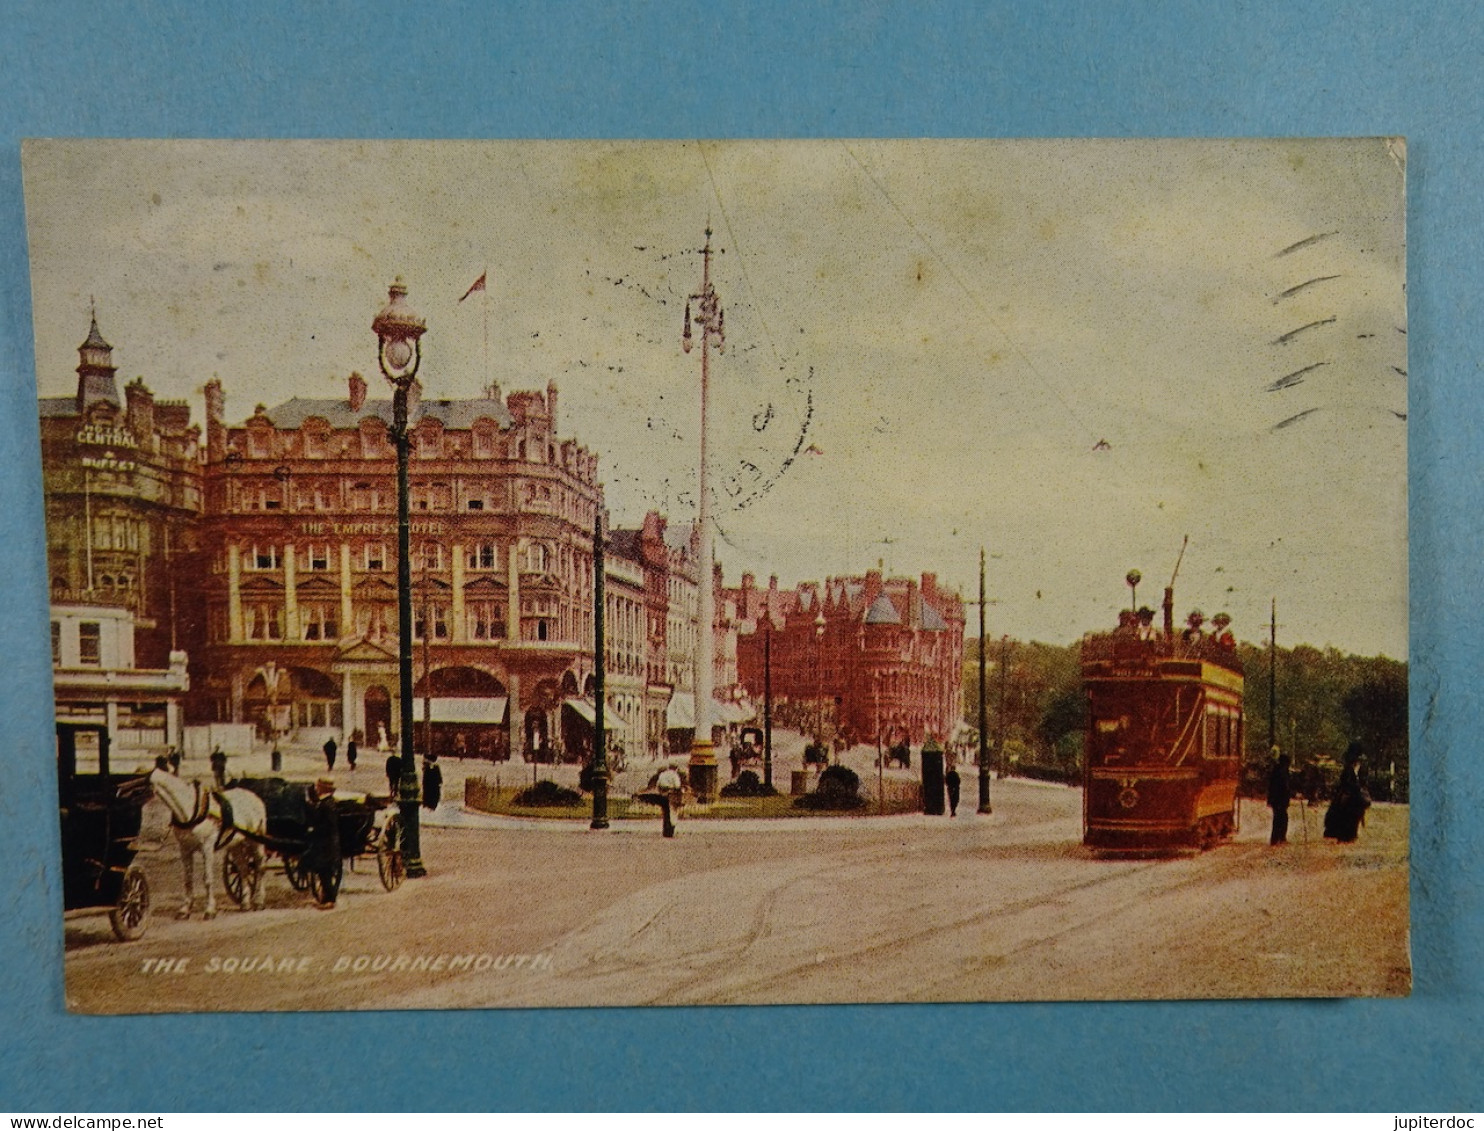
(432, 782)
(393, 774)
(950, 780)
(1280, 792)
(351, 752)
(330, 749)
(1347, 809)
(321, 859)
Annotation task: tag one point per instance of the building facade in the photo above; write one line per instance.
(857, 659)
(267, 555)
(122, 478)
(299, 586)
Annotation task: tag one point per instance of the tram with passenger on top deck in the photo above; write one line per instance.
(1164, 737)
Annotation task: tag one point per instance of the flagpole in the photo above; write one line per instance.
(486, 304)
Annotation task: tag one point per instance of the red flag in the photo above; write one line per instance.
(478, 286)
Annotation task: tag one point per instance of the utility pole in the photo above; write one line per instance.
(1273, 677)
(711, 321)
(999, 742)
(984, 805)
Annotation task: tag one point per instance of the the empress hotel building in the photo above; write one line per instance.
(252, 574)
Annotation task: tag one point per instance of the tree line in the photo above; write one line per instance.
(1325, 700)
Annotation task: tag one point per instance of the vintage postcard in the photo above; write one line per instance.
(596, 573)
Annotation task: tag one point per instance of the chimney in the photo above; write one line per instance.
(357, 392)
(873, 586)
(216, 431)
(140, 412)
(492, 391)
(773, 583)
(929, 585)
(551, 403)
(914, 605)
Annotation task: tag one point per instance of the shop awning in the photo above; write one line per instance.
(487, 711)
(586, 710)
(681, 713)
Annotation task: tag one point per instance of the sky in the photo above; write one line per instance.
(1073, 354)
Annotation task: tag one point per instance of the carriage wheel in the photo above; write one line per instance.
(389, 863)
(240, 876)
(130, 916)
(324, 887)
(293, 869)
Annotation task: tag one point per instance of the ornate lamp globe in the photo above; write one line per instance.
(399, 331)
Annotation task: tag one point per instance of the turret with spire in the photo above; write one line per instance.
(95, 370)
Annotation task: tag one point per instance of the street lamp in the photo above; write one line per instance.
(768, 699)
(399, 352)
(819, 680)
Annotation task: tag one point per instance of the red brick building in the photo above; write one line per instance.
(861, 656)
(299, 578)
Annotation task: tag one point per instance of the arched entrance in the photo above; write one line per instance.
(378, 716)
(467, 708)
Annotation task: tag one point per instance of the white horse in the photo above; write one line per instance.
(196, 816)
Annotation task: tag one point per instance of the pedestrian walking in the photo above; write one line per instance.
(1347, 809)
(330, 749)
(1280, 793)
(951, 782)
(432, 782)
(321, 857)
(665, 790)
(393, 774)
(218, 762)
(351, 752)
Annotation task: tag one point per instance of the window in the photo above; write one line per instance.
(432, 556)
(263, 557)
(476, 504)
(90, 643)
(314, 444)
(484, 556)
(361, 497)
(264, 622)
(372, 621)
(320, 622)
(439, 615)
(56, 644)
(375, 556)
(486, 621)
(538, 558)
(317, 557)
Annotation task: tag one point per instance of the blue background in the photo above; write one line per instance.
(373, 69)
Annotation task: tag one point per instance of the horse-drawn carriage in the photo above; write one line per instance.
(313, 834)
(100, 819)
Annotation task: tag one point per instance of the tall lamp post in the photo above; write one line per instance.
(819, 681)
(399, 335)
(710, 320)
(768, 699)
(600, 739)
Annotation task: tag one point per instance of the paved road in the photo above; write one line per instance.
(1002, 907)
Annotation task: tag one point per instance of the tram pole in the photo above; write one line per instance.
(984, 805)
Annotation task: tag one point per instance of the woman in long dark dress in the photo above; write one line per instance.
(1347, 809)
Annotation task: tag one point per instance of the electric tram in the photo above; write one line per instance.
(1164, 738)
